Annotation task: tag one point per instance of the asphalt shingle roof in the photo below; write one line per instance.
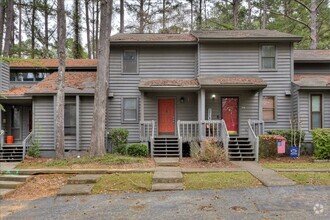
(153, 38)
(312, 55)
(53, 63)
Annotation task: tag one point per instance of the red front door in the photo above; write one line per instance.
(166, 116)
(230, 113)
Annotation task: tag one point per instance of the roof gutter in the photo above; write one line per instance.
(153, 42)
(278, 39)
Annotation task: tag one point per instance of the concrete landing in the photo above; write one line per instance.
(75, 190)
(167, 161)
(167, 177)
(17, 178)
(7, 166)
(167, 186)
(267, 176)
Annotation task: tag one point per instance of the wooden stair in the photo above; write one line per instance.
(166, 147)
(11, 153)
(240, 148)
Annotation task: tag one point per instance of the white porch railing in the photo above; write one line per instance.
(254, 139)
(224, 136)
(211, 129)
(188, 130)
(147, 130)
(2, 138)
(28, 141)
(258, 126)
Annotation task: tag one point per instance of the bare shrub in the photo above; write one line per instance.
(211, 151)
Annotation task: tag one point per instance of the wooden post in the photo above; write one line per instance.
(142, 107)
(260, 96)
(77, 122)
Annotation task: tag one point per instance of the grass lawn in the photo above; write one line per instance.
(309, 178)
(298, 165)
(124, 183)
(205, 181)
(108, 159)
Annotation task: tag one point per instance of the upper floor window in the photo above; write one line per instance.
(27, 76)
(130, 110)
(70, 119)
(316, 111)
(269, 108)
(268, 57)
(130, 61)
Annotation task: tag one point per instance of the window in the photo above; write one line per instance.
(28, 76)
(316, 111)
(130, 110)
(130, 61)
(70, 118)
(268, 57)
(268, 109)
(41, 76)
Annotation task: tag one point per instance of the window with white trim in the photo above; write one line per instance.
(130, 110)
(269, 108)
(268, 57)
(316, 111)
(70, 119)
(130, 62)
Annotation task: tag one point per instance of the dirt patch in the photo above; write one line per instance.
(39, 187)
(7, 210)
(189, 162)
(287, 159)
(149, 164)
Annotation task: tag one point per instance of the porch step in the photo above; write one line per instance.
(240, 148)
(11, 153)
(166, 147)
(16, 178)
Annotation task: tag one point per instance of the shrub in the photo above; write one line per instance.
(137, 150)
(287, 135)
(321, 140)
(211, 152)
(34, 150)
(268, 145)
(122, 149)
(118, 137)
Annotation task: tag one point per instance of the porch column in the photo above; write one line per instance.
(260, 93)
(77, 122)
(201, 111)
(202, 104)
(142, 107)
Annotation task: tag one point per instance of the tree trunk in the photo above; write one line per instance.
(93, 29)
(249, 21)
(20, 28)
(33, 29)
(97, 28)
(264, 15)
(313, 12)
(9, 28)
(164, 8)
(46, 29)
(61, 30)
(97, 147)
(199, 25)
(87, 29)
(122, 16)
(191, 14)
(235, 13)
(2, 22)
(141, 17)
(76, 28)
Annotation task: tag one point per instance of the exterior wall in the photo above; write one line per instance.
(85, 121)
(312, 68)
(248, 106)
(4, 77)
(187, 111)
(304, 110)
(243, 58)
(153, 62)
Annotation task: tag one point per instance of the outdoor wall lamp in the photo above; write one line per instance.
(182, 99)
(213, 96)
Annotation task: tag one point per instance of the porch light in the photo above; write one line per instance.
(213, 96)
(182, 99)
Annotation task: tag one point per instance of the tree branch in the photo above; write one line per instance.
(292, 18)
(304, 5)
(321, 2)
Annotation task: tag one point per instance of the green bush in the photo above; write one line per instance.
(137, 150)
(321, 140)
(287, 135)
(118, 137)
(34, 150)
(268, 145)
(122, 149)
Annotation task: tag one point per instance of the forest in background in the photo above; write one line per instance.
(28, 28)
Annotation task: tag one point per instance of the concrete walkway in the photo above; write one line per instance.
(79, 185)
(7, 166)
(267, 176)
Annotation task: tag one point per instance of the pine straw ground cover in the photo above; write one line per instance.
(309, 178)
(221, 180)
(123, 183)
(107, 161)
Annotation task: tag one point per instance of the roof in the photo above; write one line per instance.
(255, 35)
(305, 81)
(234, 80)
(160, 84)
(53, 63)
(311, 56)
(16, 91)
(152, 38)
(75, 83)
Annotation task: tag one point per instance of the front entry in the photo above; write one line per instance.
(166, 116)
(229, 113)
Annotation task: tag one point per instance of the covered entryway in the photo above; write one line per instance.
(229, 113)
(166, 116)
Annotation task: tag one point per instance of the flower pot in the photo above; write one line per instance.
(10, 139)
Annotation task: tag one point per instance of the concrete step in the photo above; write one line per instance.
(9, 184)
(167, 177)
(75, 189)
(15, 178)
(167, 186)
(174, 161)
(84, 179)
(4, 192)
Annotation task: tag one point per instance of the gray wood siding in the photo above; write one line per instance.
(187, 111)
(25, 123)
(304, 110)
(248, 106)
(44, 121)
(243, 58)
(85, 121)
(4, 77)
(295, 102)
(153, 62)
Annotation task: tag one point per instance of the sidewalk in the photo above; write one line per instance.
(267, 176)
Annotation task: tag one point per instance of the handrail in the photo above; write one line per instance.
(224, 136)
(254, 139)
(27, 142)
(211, 129)
(258, 126)
(188, 130)
(2, 138)
(147, 130)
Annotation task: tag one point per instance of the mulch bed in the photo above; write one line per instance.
(189, 162)
(287, 159)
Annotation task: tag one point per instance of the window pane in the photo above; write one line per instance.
(316, 120)
(268, 115)
(70, 119)
(130, 109)
(316, 103)
(12, 76)
(41, 76)
(268, 63)
(130, 115)
(25, 77)
(269, 108)
(130, 104)
(268, 51)
(268, 102)
(130, 61)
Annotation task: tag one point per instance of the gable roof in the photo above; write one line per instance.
(312, 81)
(53, 63)
(311, 56)
(75, 83)
(244, 35)
(152, 38)
(16, 91)
(231, 81)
